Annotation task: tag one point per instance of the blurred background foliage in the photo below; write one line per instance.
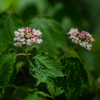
(81, 14)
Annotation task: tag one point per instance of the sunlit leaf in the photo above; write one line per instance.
(5, 4)
(46, 69)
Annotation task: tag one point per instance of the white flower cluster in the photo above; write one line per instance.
(84, 38)
(25, 36)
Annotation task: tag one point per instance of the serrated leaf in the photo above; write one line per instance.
(8, 24)
(46, 69)
(6, 68)
(53, 37)
(76, 77)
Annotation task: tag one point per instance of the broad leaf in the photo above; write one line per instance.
(33, 96)
(8, 24)
(46, 69)
(5, 4)
(40, 5)
(53, 37)
(6, 68)
(76, 77)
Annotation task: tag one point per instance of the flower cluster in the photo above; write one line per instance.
(28, 37)
(84, 38)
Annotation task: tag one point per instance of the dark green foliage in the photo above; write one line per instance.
(8, 24)
(7, 68)
(58, 79)
(75, 77)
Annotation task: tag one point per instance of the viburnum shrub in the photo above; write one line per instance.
(65, 75)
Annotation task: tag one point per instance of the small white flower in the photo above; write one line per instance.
(80, 44)
(77, 38)
(37, 32)
(72, 37)
(22, 40)
(29, 42)
(92, 39)
(22, 34)
(33, 30)
(16, 33)
(72, 30)
(89, 46)
(21, 30)
(33, 39)
(18, 44)
(39, 41)
(88, 34)
(15, 39)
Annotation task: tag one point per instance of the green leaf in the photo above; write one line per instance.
(33, 96)
(6, 68)
(67, 22)
(43, 94)
(90, 77)
(5, 4)
(54, 9)
(58, 86)
(53, 37)
(46, 69)
(76, 77)
(22, 4)
(8, 24)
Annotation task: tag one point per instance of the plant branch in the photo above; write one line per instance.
(23, 54)
(19, 87)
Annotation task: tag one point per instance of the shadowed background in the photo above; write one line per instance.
(81, 14)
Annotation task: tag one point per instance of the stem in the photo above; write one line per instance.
(20, 54)
(19, 87)
(26, 50)
(61, 57)
(65, 55)
(75, 47)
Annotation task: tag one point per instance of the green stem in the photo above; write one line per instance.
(61, 57)
(75, 47)
(23, 54)
(19, 87)
(26, 50)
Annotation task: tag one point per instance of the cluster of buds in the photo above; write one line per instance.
(84, 38)
(28, 37)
